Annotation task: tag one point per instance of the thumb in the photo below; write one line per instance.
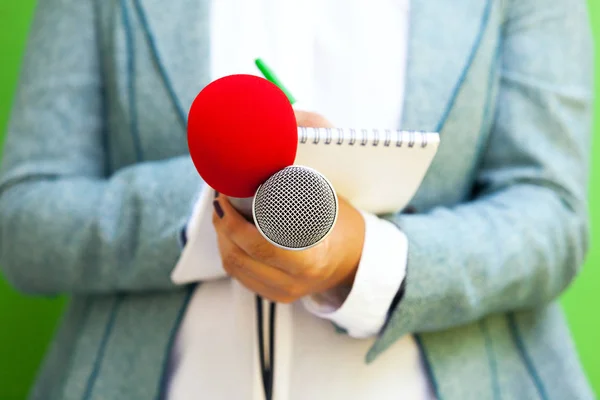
(311, 120)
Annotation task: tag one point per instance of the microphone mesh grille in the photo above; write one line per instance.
(295, 208)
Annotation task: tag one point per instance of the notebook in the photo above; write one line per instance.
(376, 170)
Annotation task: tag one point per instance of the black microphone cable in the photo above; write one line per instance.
(267, 372)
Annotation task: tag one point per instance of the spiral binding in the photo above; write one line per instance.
(363, 137)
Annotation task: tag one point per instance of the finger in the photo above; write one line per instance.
(236, 263)
(264, 291)
(245, 235)
(228, 221)
(312, 120)
(242, 262)
(280, 281)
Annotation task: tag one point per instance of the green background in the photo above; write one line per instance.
(26, 324)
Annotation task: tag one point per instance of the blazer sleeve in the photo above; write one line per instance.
(66, 226)
(524, 236)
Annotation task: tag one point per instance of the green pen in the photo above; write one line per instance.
(271, 77)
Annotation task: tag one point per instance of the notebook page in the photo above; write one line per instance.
(377, 171)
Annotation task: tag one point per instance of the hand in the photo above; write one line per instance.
(283, 275)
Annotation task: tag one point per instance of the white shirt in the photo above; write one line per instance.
(345, 60)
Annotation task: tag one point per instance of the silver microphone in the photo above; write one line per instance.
(295, 209)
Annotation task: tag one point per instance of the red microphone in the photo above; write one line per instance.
(243, 137)
(241, 130)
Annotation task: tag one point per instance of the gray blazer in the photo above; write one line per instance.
(96, 184)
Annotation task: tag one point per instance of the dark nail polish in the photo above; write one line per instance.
(216, 194)
(183, 236)
(410, 210)
(218, 209)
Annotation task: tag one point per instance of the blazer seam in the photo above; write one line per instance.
(524, 354)
(102, 349)
(428, 367)
(163, 381)
(491, 356)
(484, 23)
(488, 102)
(106, 143)
(130, 77)
(159, 63)
(80, 326)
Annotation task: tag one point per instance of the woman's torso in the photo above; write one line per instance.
(128, 350)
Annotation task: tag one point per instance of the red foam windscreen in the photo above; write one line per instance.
(241, 130)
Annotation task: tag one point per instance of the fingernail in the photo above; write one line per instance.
(218, 209)
(216, 194)
(410, 210)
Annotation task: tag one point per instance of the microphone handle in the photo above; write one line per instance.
(244, 206)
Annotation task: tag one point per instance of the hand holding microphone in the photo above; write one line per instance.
(286, 276)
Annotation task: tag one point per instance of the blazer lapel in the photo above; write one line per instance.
(443, 40)
(172, 28)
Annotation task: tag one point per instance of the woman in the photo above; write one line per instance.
(99, 200)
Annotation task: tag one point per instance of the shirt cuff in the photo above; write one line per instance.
(200, 259)
(362, 309)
